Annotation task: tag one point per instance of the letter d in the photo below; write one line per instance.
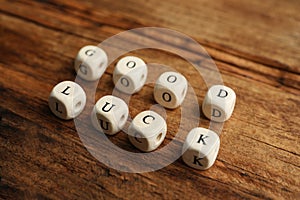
(216, 113)
(222, 93)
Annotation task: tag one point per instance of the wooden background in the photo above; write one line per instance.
(256, 46)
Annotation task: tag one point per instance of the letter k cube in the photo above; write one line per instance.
(201, 148)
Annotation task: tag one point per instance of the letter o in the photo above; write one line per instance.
(124, 82)
(166, 97)
(131, 64)
(172, 79)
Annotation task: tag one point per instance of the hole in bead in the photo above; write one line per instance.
(101, 65)
(183, 92)
(231, 108)
(158, 137)
(77, 106)
(142, 77)
(138, 137)
(122, 118)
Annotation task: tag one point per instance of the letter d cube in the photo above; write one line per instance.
(219, 103)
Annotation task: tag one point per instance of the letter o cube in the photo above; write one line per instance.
(170, 89)
(147, 131)
(110, 114)
(130, 74)
(67, 100)
(219, 103)
(90, 63)
(201, 148)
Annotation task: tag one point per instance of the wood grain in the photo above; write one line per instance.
(255, 46)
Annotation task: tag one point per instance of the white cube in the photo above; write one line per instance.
(147, 131)
(170, 89)
(109, 114)
(201, 148)
(219, 103)
(90, 63)
(67, 100)
(130, 74)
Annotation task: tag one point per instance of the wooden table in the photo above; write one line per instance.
(256, 47)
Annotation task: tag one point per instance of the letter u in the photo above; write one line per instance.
(102, 125)
(104, 109)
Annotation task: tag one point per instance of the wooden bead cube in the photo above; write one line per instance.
(109, 114)
(90, 63)
(219, 103)
(170, 89)
(201, 148)
(147, 131)
(130, 74)
(67, 100)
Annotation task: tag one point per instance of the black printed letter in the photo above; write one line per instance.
(202, 139)
(131, 64)
(172, 79)
(107, 110)
(167, 97)
(56, 108)
(64, 92)
(90, 52)
(83, 69)
(102, 125)
(148, 116)
(224, 95)
(197, 161)
(216, 113)
(124, 82)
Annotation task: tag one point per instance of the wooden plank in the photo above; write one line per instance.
(230, 28)
(43, 157)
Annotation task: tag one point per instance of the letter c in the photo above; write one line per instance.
(146, 117)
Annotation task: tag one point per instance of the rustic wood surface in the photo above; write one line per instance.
(255, 45)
